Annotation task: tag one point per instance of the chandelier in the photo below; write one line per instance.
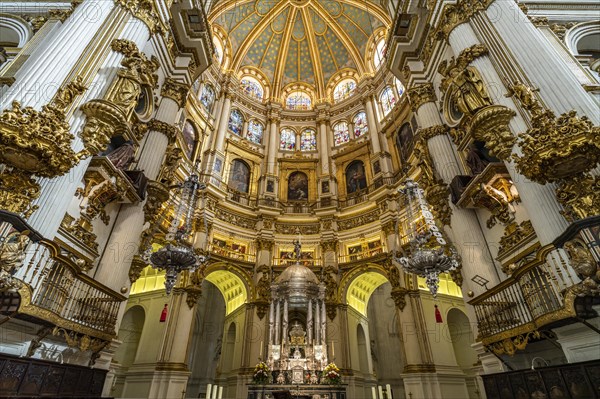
(177, 253)
(429, 253)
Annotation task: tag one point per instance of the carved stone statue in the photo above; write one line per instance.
(171, 164)
(122, 156)
(476, 160)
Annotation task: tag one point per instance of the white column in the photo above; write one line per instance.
(125, 239)
(220, 396)
(374, 392)
(559, 87)
(373, 127)
(465, 231)
(323, 147)
(309, 323)
(56, 194)
(214, 392)
(271, 323)
(223, 123)
(273, 147)
(277, 317)
(317, 323)
(208, 390)
(41, 75)
(380, 388)
(285, 321)
(323, 323)
(245, 129)
(388, 390)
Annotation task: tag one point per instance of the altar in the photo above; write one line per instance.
(274, 391)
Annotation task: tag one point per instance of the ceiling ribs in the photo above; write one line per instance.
(314, 52)
(283, 50)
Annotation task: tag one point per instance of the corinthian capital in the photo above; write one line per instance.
(421, 94)
(176, 91)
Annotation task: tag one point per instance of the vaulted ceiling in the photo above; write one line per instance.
(305, 41)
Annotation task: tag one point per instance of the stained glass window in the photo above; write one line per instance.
(207, 97)
(379, 53)
(298, 100)
(360, 124)
(252, 88)
(288, 140)
(255, 131)
(388, 100)
(308, 140)
(218, 50)
(399, 86)
(344, 89)
(340, 133)
(236, 122)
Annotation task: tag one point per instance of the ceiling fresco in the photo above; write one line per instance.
(306, 41)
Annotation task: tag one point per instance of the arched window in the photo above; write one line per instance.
(288, 140)
(236, 122)
(255, 131)
(388, 100)
(297, 187)
(207, 97)
(218, 49)
(379, 53)
(252, 88)
(308, 140)
(239, 179)
(356, 179)
(399, 86)
(298, 100)
(344, 89)
(340, 133)
(190, 138)
(404, 141)
(360, 124)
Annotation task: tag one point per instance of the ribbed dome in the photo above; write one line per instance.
(296, 275)
(299, 41)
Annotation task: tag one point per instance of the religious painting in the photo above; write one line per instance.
(404, 141)
(355, 251)
(376, 167)
(297, 187)
(218, 165)
(239, 179)
(190, 138)
(356, 179)
(307, 258)
(325, 186)
(270, 186)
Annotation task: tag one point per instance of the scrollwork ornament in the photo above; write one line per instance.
(490, 125)
(177, 91)
(421, 94)
(135, 270)
(438, 196)
(579, 196)
(144, 10)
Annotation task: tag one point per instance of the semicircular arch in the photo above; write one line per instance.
(233, 283)
(357, 286)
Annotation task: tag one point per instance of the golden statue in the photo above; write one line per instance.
(469, 91)
(12, 252)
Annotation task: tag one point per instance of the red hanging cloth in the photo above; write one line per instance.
(438, 315)
(163, 315)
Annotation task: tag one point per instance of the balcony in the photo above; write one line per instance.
(52, 287)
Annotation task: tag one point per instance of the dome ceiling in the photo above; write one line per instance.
(307, 41)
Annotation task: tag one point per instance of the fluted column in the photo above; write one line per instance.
(309, 323)
(273, 144)
(271, 322)
(223, 123)
(41, 75)
(323, 323)
(559, 87)
(372, 121)
(285, 321)
(277, 319)
(317, 322)
(539, 201)
(125, 239)
(323, 147)
(56, 194)
(465, 231)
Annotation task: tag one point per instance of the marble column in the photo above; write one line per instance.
(372, 123)
(539, 201)
(317, 322)
(223, 123)
(123, 244)
(271, 322)
(323, 323)
(309, 323)
(323, 146)
(277, 318)
(273, 145)
(465, 231)
(284, 327)
(56, 194)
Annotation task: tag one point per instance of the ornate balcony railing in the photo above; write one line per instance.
(52, 287)
(231, 254)
(537, 293)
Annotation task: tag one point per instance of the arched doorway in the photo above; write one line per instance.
(462, 337)
(129, 334)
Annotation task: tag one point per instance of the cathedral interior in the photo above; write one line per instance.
(312, 199)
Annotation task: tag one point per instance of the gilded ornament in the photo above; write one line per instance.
(329, 245)
(514, 234)
(137, 72)
(456, 275)
(399, 296)
(17, 191)
(456, 66)
(65, 96)
(510, 346)
(490, 125)
(581, 259)
(264, 244)
(464, 88)
(194, 292)
(579, 196)
(173, 157)
(146, 11)
(558, 148)
(438, 196)
(171, 131)
(177, 91)
(80, 229)
(135, 270)
(103, 121)
(433, 131)
(457, 14)
(421, 94)
(12, 254)
(495, 201)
